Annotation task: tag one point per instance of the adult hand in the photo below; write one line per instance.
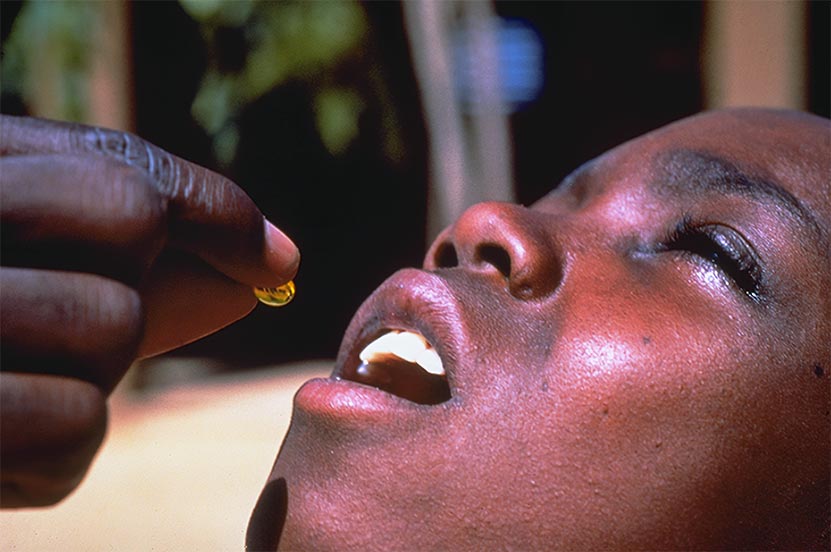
(112, 250)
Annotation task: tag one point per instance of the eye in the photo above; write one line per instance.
(722, 247)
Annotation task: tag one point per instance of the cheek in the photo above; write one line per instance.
(666, 423)
(660, 361)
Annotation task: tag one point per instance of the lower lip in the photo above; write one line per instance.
(347, 400)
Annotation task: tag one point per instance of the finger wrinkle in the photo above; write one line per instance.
(160, 167)
(149, 155)
(83, 201)
(63, 414)
(95, 322)
(119, 145)
(137, 202)
(163, 170)
(79, 405)
(173, 179)
(116, 311)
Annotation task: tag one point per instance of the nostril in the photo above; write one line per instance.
(446, 256)
(495, 256)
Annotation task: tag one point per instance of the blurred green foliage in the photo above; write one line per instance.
(46, 56)
(322, 44)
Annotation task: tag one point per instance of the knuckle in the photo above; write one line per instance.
(135, 201)
(83, 325)
(117, 144)
(80, 325)
(107, 322)
(166, 173)
(49, 439)
(116, 311)
(84, 430)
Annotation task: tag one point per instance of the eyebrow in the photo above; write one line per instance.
(695, 172)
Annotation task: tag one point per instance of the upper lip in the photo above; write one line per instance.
(412, 300)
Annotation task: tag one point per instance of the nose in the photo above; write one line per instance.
(504, 239)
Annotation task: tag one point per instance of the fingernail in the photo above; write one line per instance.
(283, 255)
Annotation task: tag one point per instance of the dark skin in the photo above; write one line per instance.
(638, 361)
(109, 247)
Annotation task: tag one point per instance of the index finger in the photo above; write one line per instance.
(207, 214)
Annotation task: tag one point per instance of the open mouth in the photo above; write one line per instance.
(402, 363)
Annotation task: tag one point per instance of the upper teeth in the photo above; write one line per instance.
(408, 346)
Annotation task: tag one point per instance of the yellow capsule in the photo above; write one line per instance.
(277, 296)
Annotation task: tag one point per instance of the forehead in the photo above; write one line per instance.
(775, 155)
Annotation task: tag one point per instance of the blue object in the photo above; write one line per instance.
(520, 63)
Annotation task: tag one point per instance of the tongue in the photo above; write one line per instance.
(405, 379)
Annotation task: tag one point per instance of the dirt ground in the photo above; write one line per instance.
(180, 469)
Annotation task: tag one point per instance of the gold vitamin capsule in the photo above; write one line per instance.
(276, 296)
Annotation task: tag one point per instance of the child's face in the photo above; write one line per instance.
(639, 360)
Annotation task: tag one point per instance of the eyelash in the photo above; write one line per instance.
(720, 246)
